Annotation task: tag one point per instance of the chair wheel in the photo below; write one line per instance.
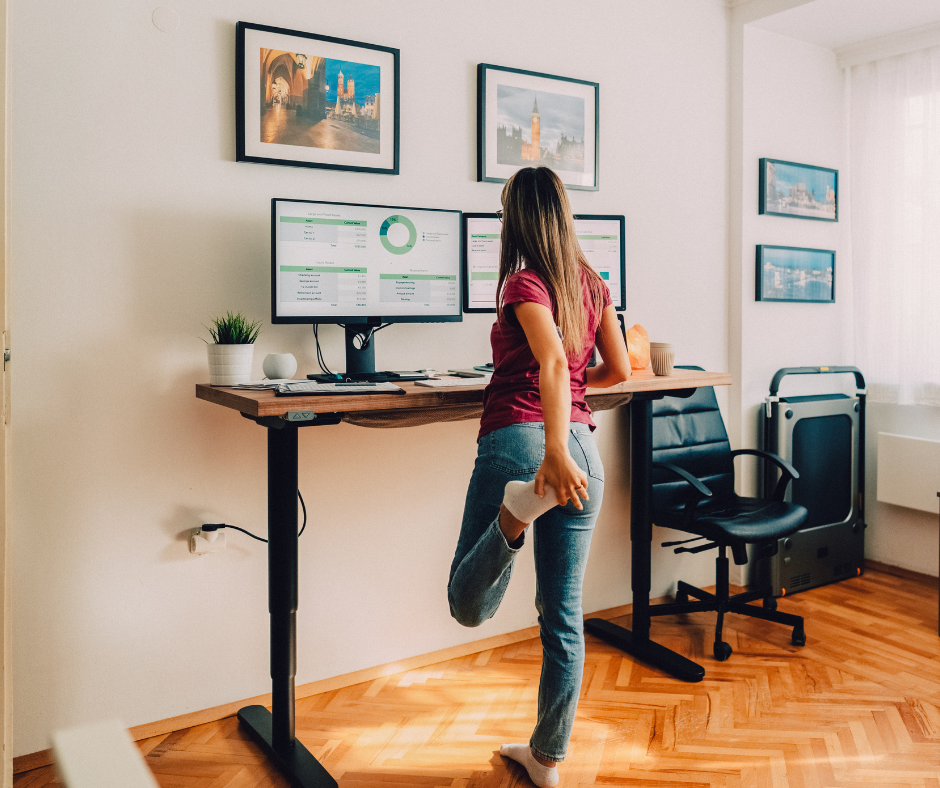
(799, 637)
(722, 651)
(770, 603)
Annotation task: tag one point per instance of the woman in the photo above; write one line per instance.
(536, 456)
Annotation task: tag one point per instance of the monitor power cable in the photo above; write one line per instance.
(365, 338)
(219, 526)
(363, 342)
(323, 367)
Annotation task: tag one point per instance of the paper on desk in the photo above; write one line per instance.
(262, 385)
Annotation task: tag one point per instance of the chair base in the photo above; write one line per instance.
(724, 603)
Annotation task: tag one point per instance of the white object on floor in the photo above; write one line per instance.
(100, 755)
(908, 471)
(542, 776)
(524, 504)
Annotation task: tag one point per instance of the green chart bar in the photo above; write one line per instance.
(322, 269)
(414, 276)
(484, 275)
(340, 222)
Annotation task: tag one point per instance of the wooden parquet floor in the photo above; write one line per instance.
(859, 705)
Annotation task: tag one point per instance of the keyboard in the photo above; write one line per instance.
(309, 388)
(436, 383)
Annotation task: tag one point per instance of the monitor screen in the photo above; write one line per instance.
(601, 239)
(346, 263)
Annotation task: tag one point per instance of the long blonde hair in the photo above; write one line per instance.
(538, 234)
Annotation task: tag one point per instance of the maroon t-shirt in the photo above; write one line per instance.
(512, 397)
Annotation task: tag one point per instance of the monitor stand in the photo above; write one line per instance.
(360, 360)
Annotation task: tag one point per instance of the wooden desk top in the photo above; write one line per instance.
(264, 403)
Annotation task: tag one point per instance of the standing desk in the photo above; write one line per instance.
(283, 416)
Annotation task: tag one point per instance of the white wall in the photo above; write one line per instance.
(793, 110)
(132, 225)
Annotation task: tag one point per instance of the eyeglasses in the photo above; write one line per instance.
(499, 215)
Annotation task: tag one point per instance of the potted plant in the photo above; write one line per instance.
(232, 349)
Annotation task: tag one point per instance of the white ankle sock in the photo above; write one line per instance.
(524, 504)
(542, 776)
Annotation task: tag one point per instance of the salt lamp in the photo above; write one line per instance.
(638, 347)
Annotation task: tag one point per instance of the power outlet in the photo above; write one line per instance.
(202, 542)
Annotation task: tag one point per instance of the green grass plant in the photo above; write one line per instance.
(234, 329)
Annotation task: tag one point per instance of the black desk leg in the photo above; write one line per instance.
(274, 730)
(637, 642)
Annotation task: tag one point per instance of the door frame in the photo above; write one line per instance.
(5, 558)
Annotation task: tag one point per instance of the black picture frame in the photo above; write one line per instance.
(796, 205)
(354, 125)
(774, 285)
(489, 167)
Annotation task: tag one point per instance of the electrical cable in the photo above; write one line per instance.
(364, 340)
(217, 526)
(323, 367)
(304, 507)
(368, 337)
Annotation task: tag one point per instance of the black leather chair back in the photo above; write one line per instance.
(690, 433)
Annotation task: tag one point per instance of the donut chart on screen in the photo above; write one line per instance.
(405, 222)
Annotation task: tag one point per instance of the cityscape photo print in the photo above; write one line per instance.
(539, 128)
(319, 102)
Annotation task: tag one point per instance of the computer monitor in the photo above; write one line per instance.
(361, 266)
(601, 239)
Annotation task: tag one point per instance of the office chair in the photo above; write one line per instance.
(693, 491)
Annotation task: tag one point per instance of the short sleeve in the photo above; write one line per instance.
(526, 287)
(608, 301)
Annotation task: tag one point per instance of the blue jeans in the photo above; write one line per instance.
(483, 564)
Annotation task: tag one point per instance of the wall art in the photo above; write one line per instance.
(527, 119)
(800, 190)
(789, 273)
(306, 100)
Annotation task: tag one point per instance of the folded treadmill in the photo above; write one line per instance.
(823, 437)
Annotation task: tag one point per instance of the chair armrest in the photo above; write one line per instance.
(788, 471)
(701, 489)
(777, 460)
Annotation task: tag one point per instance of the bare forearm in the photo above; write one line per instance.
(603, 375)
(555, 392)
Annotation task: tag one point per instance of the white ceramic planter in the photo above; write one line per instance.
(230, 364)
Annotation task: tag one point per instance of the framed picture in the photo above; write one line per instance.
(527, 119)
(801, 190)
(789, 273)
(305, 100)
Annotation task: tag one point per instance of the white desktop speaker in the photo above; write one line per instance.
(278, 366)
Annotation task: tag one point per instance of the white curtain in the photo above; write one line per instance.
(894, 144)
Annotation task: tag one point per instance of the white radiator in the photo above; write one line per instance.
(908, 471)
